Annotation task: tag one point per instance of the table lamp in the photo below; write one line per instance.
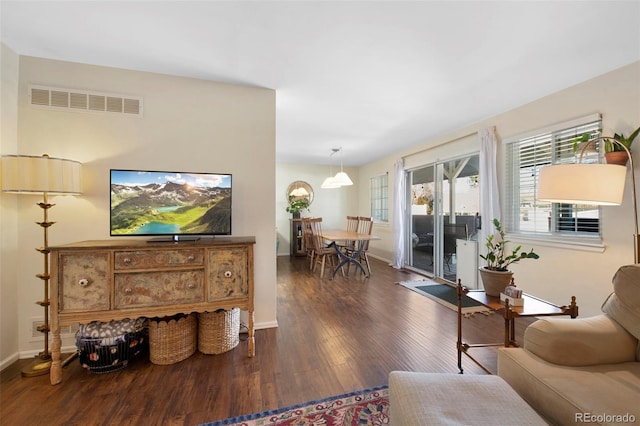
(31, 175)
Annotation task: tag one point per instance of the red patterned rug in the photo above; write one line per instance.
(367, 407)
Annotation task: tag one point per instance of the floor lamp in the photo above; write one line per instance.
(598, 184)
(30, 175)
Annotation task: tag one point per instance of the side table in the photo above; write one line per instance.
(532, 307)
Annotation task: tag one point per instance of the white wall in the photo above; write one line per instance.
(188, 125)
(8, 210)
(332, 205)
(560, 272)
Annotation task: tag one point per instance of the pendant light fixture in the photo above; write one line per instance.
(341, 178)
(330, 182)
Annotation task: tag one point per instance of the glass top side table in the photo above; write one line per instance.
(532, 307)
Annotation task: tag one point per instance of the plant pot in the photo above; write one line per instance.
(494, 282)
(616, 157)
(296, 215)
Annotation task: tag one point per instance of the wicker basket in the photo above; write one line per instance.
(218, 331)
(172, 339)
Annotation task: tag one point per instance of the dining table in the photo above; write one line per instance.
(338, 235)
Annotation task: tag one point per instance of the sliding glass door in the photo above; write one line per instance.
(421, 183)
(445, 206)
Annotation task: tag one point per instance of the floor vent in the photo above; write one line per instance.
(79, 100)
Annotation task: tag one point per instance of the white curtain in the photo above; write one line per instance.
(399, 209)
(489, 197)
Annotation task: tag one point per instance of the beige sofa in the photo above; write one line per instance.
(417, 399)
(584, 370)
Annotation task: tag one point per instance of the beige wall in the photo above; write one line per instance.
(560, 272)
(8, 210)
(188, 125)
(198, 125)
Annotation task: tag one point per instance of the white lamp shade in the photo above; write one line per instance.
(342, 179)
(330, 183)
(37, 175)
(599, 184)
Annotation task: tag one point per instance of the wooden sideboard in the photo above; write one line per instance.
(121, 278)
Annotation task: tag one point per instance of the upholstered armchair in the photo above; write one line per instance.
(573, 369)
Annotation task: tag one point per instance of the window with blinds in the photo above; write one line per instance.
(525, 157)
(379, 190)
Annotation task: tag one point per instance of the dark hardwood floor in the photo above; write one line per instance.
(333, 337)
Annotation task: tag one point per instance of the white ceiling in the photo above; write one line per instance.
(371, 76)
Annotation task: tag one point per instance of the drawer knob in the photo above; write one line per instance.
(227, 274)
(191, 285)
(191, 258)
(127, 260)
(128, 290)
(83, 282)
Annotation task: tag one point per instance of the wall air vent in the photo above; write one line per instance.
(80, 100)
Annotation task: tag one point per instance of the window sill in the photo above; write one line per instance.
(564, 242)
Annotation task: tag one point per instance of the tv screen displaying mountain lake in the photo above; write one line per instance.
(161, 203)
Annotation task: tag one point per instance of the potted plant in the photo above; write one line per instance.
(614, 153)
(296, 204)
(496, 274)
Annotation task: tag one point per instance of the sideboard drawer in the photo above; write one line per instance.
(145, 259)
(84, 282)
(228, 274)
(134, 290)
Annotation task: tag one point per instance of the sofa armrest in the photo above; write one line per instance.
(580, 342)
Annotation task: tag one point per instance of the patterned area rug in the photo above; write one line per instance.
(366, 407)
(445, 295)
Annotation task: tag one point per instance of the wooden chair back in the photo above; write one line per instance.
(352, 226)
(315, 228)
(352, 223)
(365, 226)
(321, 251)
(308, 239)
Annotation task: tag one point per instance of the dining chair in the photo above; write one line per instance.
(324, 255)
(352, 226)
(308, 241)
(365, 226)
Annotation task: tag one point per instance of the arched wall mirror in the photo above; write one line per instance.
(300, 190)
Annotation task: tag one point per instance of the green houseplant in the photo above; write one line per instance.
(612, 147)
(296, 204)
(496, 274)
(615, 153)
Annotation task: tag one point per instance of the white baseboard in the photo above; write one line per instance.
(29, 354)
(9, 360)
(267, 324)
(388, 261)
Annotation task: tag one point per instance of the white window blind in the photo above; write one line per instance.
(379, 190)
(524, 213)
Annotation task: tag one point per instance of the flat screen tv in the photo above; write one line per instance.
(170, 206)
